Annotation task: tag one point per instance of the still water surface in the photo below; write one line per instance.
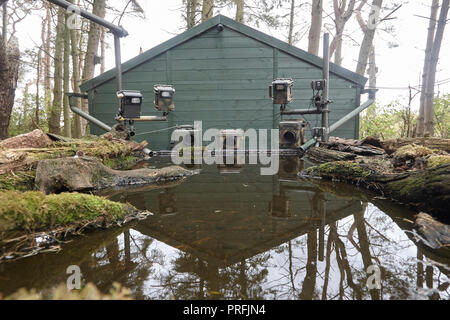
(230, 233)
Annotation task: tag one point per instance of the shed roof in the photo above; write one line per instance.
(233, 25)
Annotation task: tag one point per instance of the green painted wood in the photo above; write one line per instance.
(222, 79)
(229, 25)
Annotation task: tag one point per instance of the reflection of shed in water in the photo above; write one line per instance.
(223, 219)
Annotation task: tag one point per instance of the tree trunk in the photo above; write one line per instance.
(46, 40)
(240, 4)
(191, 13)
(373, 69)
(38, 94)
(291, 23)
(66, 62)
(316, 27)
(429, 95)
(369, 35)
(4, 23)
(54, 122)
(103, 51)
(207, 10)
(9, 74)
(426, 67)
(342, 15)
(99, 9)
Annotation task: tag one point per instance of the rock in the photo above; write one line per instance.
(86, 173)
(34, 139)
(435, 233)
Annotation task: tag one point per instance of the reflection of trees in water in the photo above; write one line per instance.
(125, 259)
(294, 270)
(192, 278)
(353, 244)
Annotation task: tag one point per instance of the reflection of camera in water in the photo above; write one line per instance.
(167, 203)
(280, 207)
(290, 167)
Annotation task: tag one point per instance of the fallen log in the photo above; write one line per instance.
(436, 235)
(322, 155)
(87, 173)
(32, 223)
(427, 189)
(23, 159)
(390, 146)
(362, 148)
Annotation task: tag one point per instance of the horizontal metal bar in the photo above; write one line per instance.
(300, 112)
(116, 30)
(144, 119)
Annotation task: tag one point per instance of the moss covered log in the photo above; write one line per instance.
(34, 212)
(18, 166)
(427, 189)
(31, 222)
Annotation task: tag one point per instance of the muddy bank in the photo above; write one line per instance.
(414, 175)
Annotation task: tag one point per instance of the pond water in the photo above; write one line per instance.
(230, 233)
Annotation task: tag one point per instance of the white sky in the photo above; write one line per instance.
(398, 67)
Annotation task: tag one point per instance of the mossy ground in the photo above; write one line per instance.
(114, 154)
(436, 161)
(89, 292)
(34, 211)
(94, 147)
(20, 181)
(339, 169)
(412, 151)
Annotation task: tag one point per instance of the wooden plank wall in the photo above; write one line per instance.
(222, 78)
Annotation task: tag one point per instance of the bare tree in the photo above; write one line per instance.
(373, 69)
(55, 111)
(207, 10)
(316, 27)
(66, 79)
(291, 22)
(341, 15)
(369, 36)
(191, 13)
(428, 86)
(240, 4)
(99, 9)
(9, 74)
(427, 63)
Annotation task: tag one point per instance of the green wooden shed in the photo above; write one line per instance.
(221, 76)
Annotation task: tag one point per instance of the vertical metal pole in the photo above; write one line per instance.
(326, 77)
(118, 62)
